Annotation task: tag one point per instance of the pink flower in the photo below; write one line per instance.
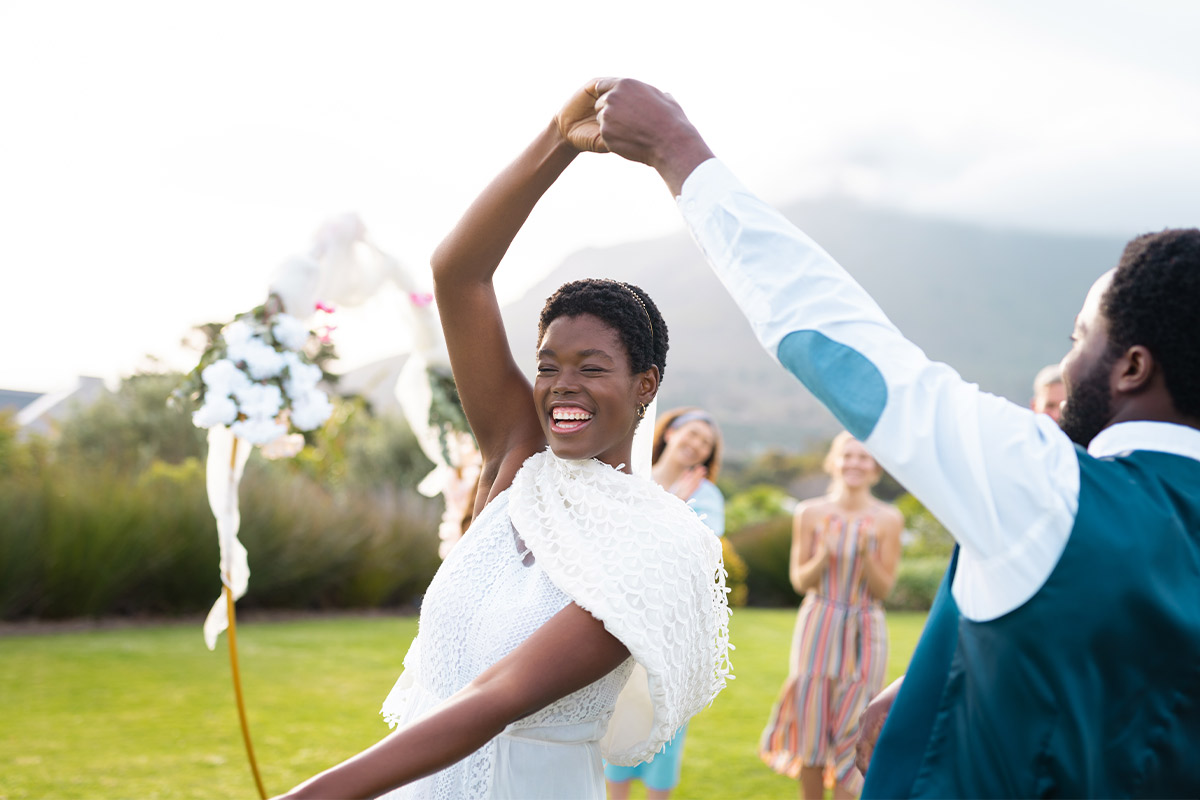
(328, 309)
(420, 299)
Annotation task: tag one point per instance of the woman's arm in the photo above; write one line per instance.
(496, 395)
(879, 567)
(569, 652)
(805, 572)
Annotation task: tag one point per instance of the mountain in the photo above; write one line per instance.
(995, 304)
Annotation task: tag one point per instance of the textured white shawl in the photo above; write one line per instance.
(638, 559)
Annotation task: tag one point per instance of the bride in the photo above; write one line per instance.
(583, 615)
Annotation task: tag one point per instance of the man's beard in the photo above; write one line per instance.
(1089, 405)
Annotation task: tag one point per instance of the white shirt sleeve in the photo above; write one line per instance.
(1002, 479)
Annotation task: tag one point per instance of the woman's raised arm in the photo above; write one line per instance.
(495, 393)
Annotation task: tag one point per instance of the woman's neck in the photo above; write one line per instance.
(852, 499)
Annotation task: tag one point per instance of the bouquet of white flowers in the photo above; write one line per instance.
(258, 377)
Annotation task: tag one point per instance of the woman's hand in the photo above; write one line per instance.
(827, 545)
(577, 122)
(689, 482)
(864, 541)
(813, 546)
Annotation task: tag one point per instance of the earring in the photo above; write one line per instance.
(641, 410)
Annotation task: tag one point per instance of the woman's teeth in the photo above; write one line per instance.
(566, 419)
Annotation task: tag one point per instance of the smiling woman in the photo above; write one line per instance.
(598, 358)
(583, 616)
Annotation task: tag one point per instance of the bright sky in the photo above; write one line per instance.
(158, 160)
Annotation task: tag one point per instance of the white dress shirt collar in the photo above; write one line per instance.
(1163, 437)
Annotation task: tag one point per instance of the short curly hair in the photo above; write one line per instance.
(624, 307)
(1154, 301)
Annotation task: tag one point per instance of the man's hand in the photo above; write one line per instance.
(577, 122)
(870, 723)
(640, 123)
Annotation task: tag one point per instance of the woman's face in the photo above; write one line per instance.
(585, 395)
(689, 444)
(855, 467)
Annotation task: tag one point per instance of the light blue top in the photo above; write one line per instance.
(709, 503)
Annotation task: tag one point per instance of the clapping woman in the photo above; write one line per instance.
(845, 551)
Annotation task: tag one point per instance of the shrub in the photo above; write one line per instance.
(765, 547)
(924, 535)
(917, 581)
(113, 516)
(754, 505)
(735, 566)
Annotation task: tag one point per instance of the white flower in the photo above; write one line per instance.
(222, 378)
(217, 410)
(310, 410)
(236, 333)
(302, 378)
(290, 332)
(262, 361)
(258, 430)
(258, 400)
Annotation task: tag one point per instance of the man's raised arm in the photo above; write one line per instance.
(1003, 480)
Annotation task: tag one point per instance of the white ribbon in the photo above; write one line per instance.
(226, 460)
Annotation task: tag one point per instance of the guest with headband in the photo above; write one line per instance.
(686, 454)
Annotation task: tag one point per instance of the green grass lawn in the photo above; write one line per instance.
(149, 712)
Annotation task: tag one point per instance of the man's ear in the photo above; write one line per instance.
(1134, 369)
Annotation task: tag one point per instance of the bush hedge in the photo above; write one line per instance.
(111, 516)
(96, 543)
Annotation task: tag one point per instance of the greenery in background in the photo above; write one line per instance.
(756, 504)
(736, 572)
(765, 547)
(111, 516)
(925, 536)
(313, 688)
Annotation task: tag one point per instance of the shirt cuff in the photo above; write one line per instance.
(704, 186)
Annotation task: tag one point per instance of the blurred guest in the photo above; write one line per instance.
(1048, 391)
(845, 550)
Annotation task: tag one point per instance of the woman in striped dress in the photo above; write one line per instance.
(845, 549)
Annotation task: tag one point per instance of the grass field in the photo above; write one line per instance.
(148, 712)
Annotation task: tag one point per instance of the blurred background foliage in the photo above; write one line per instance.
(108, 515)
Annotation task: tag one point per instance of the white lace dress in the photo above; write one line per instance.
(619, 546)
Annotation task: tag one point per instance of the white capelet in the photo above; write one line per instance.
(641, 561)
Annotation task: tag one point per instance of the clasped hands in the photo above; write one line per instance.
(636, 121)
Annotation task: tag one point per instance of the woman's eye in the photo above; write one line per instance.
(542, 370)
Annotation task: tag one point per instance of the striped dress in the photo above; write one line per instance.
(838, 660)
